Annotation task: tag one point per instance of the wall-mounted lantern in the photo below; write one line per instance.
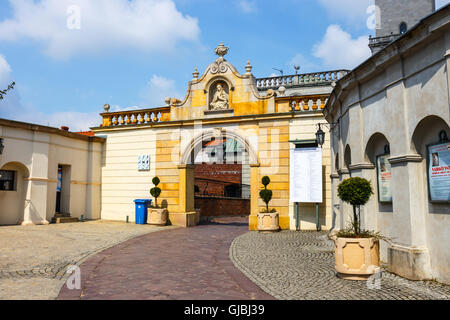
(2, 146)
(320, 136)
(442, 136)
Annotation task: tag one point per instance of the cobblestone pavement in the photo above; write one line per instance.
(300, 265)
(182, 264)
(34, 259)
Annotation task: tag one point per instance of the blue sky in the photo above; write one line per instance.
(133, 53)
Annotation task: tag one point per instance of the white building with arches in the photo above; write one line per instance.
(47, 173)
(386, 117)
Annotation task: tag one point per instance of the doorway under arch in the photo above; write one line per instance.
(221, 163)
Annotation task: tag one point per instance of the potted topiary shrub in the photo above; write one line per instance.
(157, 216)
(357, 252)
(268, 220)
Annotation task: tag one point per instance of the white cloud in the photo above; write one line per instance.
(157, 89)
(339, 50)
(5, 72)
(105, 25)
(247, 6)
(12, 108)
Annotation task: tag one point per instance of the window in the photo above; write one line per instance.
(403, 27)
(7, 179)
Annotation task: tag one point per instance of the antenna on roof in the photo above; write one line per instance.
(279, 70)
(297, 68)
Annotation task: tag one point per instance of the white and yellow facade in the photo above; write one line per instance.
(263, 115)
(33, 153)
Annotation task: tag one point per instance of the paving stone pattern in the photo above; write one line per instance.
(293, 265)
(34, 260)
(182, 264)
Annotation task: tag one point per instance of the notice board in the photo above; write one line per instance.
(439, 172)
(306, 175)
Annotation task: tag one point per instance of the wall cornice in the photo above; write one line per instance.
(406, 158)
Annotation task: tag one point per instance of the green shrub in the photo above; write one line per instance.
(266, 194)
(357, 192)
(156, 192)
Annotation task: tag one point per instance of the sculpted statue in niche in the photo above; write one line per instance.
(219, 98)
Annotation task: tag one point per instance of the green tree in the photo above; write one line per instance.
(3, 92)
(155, 191)
(357, 192)
(266, 194)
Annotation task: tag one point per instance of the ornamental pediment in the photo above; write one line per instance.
(219, 91)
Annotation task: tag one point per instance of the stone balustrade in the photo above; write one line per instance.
(326, 77)
(306, 103)
(135, 117)
(385, 39)
(158, 115)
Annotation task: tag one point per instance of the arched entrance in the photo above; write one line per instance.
(13, 191)
(216, 173)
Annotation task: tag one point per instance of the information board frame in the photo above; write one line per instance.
(293, 197)
(430, 166)
(379, 171)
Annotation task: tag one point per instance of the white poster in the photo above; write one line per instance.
(439, 172)
(306, 175)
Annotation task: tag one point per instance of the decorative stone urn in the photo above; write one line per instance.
(268, 221)
(356, 258)
(158, 217)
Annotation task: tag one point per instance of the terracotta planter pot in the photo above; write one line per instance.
(268, 221)
(158, 217)
(356, 258)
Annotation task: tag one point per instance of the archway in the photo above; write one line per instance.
(427, 132)
(430, 132)
(347, 157)
(219, 168)
(13, 191)
(377, 152)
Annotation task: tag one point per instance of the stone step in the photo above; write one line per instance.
(64, 220)
(62, 215)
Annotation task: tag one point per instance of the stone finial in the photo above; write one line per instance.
(282, 90)
(195, 73)
(167, 101)
(106, 107)
(221, 50)
(248, 68)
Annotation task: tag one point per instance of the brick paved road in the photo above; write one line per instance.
(34, 259)
(300, 265)
(189, 263)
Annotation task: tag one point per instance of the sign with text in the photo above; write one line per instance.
(143, 162)
(306, 175)
(384, 179)
(439, 172)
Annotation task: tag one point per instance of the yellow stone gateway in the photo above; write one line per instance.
(261, 115)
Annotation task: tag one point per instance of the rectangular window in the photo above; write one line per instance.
(7, 180)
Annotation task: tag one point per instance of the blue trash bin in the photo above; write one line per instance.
(141, 210)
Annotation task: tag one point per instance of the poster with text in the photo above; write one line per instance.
(439, 172)
(384, 178)
(306, 175)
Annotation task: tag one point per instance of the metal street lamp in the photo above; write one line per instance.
(320, 136)
(1, 146)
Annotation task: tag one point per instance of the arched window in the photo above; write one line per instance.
(403, 27)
